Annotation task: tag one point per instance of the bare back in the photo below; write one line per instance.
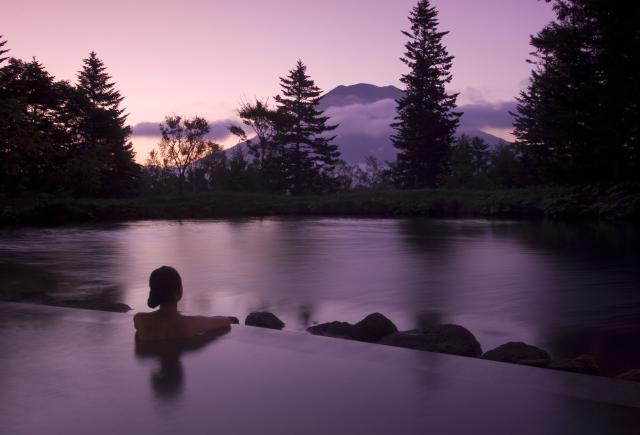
(163, 326)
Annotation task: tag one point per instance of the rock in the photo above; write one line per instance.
(373, 328)
(263, 320)
(584, 364)
(370, 329)
(519, 353)
(234, 320)
(116, 307)
(451, 339)
(631, 375)
(333, 329)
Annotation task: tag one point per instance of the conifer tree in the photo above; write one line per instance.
(578, 118)
(308, 156)
(267, 162)
(105, 129)
(426, 120)
(3, 50)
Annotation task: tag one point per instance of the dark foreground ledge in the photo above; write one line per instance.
(532, 203)
(77, 371)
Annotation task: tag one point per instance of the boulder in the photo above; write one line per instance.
(373, 328)
(334, 329)
(370, 329)
(631, 375)
(264, 320)
(519, 353)
(98, 305)
(234, 320)
(451, 339)
(584, 364)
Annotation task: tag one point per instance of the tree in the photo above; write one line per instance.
(469, 163)
(32, 132)
(183, 144)
(506, 168)
(105, 131)
(308, 157)
(267, 161)
(426, 120)
(3, 51)
(578, 118)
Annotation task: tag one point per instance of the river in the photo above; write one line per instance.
(570, 288)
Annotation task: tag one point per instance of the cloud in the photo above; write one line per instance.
(219, 129)
(149, 129)
(487, 115)
(374, 119)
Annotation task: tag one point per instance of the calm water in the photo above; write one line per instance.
(569, 288)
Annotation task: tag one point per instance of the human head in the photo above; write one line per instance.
(165, 285)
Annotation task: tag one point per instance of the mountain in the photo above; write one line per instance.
(364, 113)
(362, 93)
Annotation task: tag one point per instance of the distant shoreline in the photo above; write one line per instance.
(556, 203)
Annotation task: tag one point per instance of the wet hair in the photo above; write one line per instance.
(165, 285)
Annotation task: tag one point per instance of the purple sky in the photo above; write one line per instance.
(201, 57)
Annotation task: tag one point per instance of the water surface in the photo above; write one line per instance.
(569, 288)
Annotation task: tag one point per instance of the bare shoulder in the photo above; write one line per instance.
(140, 319)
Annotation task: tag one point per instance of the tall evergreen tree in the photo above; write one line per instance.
(33, 135)
(578, 118)
(105, 130)
(308, 156)
(3, 50)
(267, 160)
(426, 120)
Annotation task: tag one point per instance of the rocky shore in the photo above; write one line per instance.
(447, 338)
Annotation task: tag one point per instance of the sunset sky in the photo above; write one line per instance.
(202, 57)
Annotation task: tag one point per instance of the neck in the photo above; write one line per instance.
(169, 308)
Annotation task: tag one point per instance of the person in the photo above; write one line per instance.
(165, 290)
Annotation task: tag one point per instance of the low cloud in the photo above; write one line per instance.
(368, 119)
(487, 115)
(372, 120)
(218, 130)
(375, 119)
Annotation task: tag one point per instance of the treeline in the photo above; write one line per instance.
(576, 123)
(291, 149)
(63, 138)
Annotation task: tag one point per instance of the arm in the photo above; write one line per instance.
(198, 324)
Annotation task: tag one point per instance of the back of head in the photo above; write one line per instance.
(165, 285)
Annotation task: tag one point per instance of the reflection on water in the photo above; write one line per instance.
(570, 288)
(167, 380)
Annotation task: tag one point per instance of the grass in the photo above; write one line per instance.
(530, 203)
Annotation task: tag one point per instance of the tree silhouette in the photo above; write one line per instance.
(308, 157)
(267, 161)
(3, 50)
(578, 118)
(183, 144)
(426, 121)
(105, 131)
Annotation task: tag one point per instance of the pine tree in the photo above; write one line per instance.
(31, 101)
(578, 118)
(308, 156)
(426, 120)
(266, 162)
(106, 132)
(3, 50)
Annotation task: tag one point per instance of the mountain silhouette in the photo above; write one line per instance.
(362, 93)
